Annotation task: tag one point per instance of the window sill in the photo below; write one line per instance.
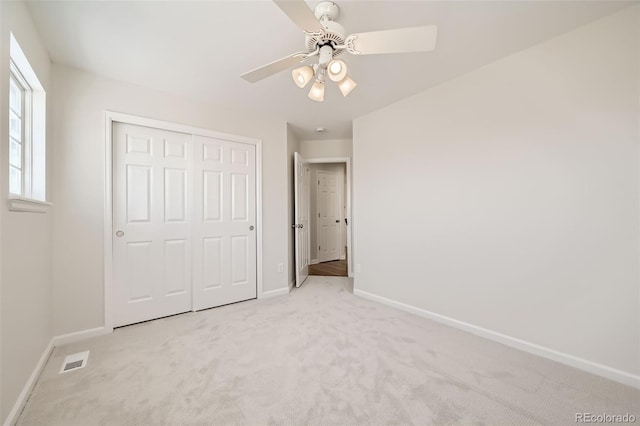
(19, 204)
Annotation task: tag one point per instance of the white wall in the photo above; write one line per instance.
(313, 208)
(80, 99)
(293, 145)
(326, 148)
(25, 259)
(509, 198)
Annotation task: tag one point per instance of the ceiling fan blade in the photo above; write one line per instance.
(401, 40)
(300, 14)
(274, 67)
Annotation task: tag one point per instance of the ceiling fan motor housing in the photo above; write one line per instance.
(333, 35)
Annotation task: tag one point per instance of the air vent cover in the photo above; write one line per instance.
(74, 362)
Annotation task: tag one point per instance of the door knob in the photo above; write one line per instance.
(119, 234)
(251, 228)
(337, 220)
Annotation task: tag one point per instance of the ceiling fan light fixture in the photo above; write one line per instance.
(346, 85)
(325, 39)
(337, 70)
(302, 75)
(317, 91)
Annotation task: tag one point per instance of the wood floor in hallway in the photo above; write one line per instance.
(336, 268)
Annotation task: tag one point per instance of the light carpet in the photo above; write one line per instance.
(320, 356)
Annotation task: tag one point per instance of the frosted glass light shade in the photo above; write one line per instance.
(347, 85)
(337, 70)
(317, 91)
(303, 75)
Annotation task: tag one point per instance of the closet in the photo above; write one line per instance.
(184, 217)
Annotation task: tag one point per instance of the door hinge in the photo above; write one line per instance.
(318, 214)
(318, 247)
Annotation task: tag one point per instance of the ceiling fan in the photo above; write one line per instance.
(326, 39)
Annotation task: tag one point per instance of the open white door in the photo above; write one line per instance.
(302, 201)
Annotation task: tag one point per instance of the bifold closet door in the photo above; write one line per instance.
(224, 221)
(152, 199)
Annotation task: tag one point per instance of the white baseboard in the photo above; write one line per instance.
(275, 293)
(28, 387)
(313, 262)
(55, 341)
(570, 360)
(65, 339)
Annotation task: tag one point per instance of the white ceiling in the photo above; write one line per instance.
(199, 49)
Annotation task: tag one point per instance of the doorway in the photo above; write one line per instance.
(328, 213)
(322, 228)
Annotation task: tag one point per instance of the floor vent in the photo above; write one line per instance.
(74, 362)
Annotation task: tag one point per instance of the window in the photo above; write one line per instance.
(27, 129)
(19, 124)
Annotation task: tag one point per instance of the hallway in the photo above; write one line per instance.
(336, 268)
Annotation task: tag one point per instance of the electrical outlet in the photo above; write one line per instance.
(280, 267)
(358, 268)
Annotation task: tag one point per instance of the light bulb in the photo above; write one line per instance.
(301, 76)
(317, 91)
(346, 85)
(337, 70)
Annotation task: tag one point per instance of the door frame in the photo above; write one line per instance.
(110, 118)
(349, 230)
